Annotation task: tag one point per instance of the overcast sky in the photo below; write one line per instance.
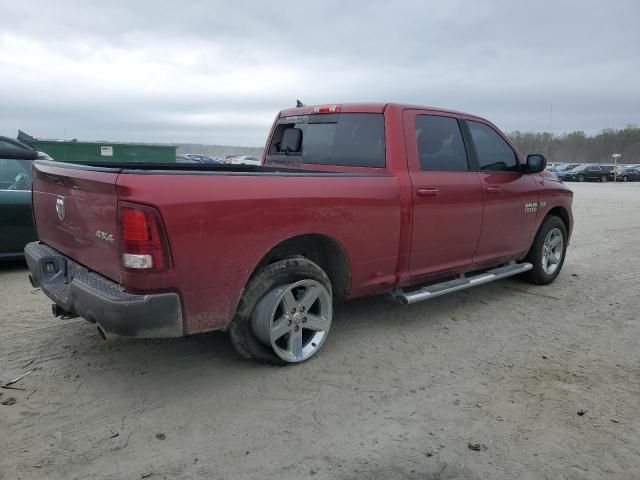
(218, 72)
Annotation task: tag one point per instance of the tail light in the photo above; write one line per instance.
(143, 242)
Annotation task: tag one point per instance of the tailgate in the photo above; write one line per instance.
(75, 211)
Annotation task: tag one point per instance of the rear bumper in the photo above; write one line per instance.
(79, 291)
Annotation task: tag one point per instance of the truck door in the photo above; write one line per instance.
(447, 194)
(510, 196)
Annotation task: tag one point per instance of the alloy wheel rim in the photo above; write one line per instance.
(294, 320)
(552, 251)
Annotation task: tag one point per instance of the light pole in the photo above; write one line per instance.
(615, 157)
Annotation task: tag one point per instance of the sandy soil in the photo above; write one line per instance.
(398, 392)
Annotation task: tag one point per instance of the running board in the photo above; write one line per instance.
(461, 283)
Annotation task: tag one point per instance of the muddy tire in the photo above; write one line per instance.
(247, 332)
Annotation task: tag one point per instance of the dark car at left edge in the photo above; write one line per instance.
(16, 220)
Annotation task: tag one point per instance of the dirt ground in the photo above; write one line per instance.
(398, 391)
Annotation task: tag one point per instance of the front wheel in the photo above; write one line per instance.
(625, 178)
(285, 313)
(603, 178)
(580, 178)
(548, 251)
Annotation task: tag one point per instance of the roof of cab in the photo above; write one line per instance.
(373, 107)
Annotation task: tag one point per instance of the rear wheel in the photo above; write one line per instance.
(548, 251)
(285, 313)
(625, 178)
(603, 178)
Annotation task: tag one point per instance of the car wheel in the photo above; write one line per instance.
(285, 313)
(603, 178)
(625, 178)
(580, 178)
(548, 251)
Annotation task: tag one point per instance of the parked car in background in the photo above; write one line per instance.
(563, 170)
(563, 167)
(589, 172)
(244, 160)
(197, 157)
(16, 221)
(558, 167)
(625, 175)
(184, 159)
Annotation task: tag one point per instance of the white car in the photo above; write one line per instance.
(245, 160)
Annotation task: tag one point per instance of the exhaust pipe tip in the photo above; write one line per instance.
(102, 333)
(105, 335)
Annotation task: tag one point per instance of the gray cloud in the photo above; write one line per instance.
(216, 72)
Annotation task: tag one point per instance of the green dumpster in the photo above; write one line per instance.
(104, 152)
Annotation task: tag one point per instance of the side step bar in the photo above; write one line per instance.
(461, 283)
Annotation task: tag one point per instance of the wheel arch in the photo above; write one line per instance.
(557, 211)
(563, 214)
(327, 252)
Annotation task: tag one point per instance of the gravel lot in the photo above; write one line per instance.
(398, 392)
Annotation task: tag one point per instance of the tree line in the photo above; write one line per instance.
(579, 147)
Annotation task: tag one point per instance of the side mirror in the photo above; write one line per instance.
(536, 163)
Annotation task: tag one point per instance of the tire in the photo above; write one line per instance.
(603, 178)
(260, 289)
(625, 178)
(580, 178)
(540, 274)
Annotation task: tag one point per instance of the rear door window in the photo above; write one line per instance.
(344, 139)
(494, 154)
(440, 143)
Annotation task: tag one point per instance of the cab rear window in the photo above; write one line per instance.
(344, 139)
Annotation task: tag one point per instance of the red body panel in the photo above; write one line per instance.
(90, 203)
(505, 195)
(220, 225)
(447, 212)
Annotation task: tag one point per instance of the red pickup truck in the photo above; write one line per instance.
(350, 200)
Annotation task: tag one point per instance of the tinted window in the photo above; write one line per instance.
(493, 152)
(15, 174)
(349, 139)
(440, 144)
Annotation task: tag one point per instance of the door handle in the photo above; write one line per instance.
(494, 189)
(427, 192)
